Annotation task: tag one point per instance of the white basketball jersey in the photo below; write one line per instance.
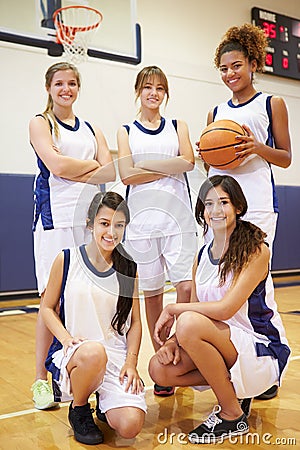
(59, 202)
(161, 207)
(254, 175)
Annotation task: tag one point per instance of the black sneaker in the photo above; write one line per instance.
(270, 393)
(163, 391)
(82, 422)
(215, 429)
(245, 404)
(101, 415)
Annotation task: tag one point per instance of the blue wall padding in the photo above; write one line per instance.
(287, 240)
(16, 244)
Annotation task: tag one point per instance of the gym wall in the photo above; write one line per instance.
(181, 38)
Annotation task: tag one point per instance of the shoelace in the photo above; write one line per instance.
(213, 419)
(42, 387)
(87, 420)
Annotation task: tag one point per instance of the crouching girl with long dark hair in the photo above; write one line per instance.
(97, 329)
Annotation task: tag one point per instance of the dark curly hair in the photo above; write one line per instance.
(246, 239)
(248, 39)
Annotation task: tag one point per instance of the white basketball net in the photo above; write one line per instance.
(75, 26)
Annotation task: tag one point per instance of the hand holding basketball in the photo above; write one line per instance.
(217, 144)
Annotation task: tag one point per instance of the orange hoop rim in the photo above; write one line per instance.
(74, 29)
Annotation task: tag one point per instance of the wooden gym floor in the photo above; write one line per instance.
(273, 422)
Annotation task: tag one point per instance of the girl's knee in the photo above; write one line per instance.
(184, 289)
(92, 353)
(130, 423)
(154, 367)
(188, 324)
(157, 371)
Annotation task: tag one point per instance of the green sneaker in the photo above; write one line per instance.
(43, 395)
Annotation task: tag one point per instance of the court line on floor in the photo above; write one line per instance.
(63, 405)
(34, 410)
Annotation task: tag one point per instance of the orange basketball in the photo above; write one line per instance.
(217, 143)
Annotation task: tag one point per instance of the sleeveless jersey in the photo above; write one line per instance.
(258, 315)
(254, 175)
(163, 207)
(87, 305)
(61, 203)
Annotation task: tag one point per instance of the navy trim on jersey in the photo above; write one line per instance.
(215, 112)
(200, 253)
(63, 285)
(90, 127)
(188, 187)
(42, 206)
(260, 316)
(90, 266)
(240, 105)
(69, 127)
(56, 344)
(150, 131)
(275, 198)
(127, 127)
(270, 142)
(174, 122)
(49, 122)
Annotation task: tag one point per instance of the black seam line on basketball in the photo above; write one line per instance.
(222, 129)
(225, 164)
(217, 148)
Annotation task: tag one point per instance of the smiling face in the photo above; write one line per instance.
(108, 229)
(219, 212)
(153, 93)
(236, 70)
(64, 88)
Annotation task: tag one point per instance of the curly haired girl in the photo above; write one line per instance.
(241, 54)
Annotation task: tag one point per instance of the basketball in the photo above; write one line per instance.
(217, 143)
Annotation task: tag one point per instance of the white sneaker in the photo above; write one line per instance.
(43, 395)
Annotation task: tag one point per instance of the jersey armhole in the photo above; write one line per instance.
(269, 112)
(47, 119)
(127, 128)
(215, 112)
(174, 122)
(90, 127)
(200, 253)
(66, 268)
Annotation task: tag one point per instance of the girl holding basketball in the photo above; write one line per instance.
(238, 57)
(154, 155)
(73, 159)
(231, 329)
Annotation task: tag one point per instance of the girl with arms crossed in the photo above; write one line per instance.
(154, 155)
(73, 159)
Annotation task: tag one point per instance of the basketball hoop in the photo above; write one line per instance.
(75, 26)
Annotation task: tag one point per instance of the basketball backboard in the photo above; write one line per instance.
(30, 22)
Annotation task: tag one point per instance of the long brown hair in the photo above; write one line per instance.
(123, 264)
(246, 239)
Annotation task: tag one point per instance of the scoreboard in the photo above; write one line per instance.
(283, 51)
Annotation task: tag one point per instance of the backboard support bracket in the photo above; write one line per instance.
(55, 49)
